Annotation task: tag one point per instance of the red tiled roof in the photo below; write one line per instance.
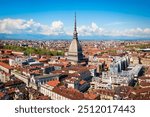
(140, 94)
(143, 83)
(57, 71)
(144, 78)
(15, 82)
(82, 82)
(42, 98)
(148, 71)
(3, 59)
(69, 93)
(53, 83)
(91, 95)
(141, 90)
(12, 90)
(59, 65)
(5, 65)
(62, 60)
(92, 67)
(1, 94)
(105, 92)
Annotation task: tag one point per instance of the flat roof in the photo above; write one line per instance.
(46, 76)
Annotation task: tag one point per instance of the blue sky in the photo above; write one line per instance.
(101, 17)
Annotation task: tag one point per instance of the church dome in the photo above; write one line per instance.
(75, 46)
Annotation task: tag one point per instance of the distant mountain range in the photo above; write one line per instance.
(32, 36)
(64, 37)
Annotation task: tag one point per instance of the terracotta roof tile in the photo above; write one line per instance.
(82, 82)
(1, 94)
(69, 93)
(53, 83)
(5, 65)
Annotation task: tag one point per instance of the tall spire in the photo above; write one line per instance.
(75, 50)
(75, 34)
(75, 28)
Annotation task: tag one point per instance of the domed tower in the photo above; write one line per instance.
(75, 50)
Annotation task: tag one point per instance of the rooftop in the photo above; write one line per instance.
(1, 95)
(91, 95)
(53, 83)
(46, 76)
(5, 65)
(70, 93)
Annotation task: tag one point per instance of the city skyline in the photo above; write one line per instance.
(101, 19)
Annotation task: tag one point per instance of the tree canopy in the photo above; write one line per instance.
(31, 50)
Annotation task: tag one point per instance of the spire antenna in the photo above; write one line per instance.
(75, 28)
(75, 34)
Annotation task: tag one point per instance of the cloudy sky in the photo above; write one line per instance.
(113, 18)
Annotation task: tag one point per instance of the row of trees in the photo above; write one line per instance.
(141, 46)
(31, 50)
(109, 52)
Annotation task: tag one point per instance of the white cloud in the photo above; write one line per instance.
(11, 26)
(93, 29)
(57, 25)
(134, 32)
(18, 26)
